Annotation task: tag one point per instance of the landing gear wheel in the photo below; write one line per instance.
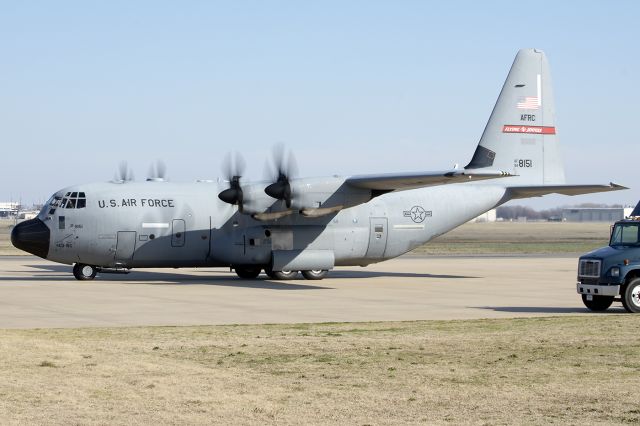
(247, 272)
(631, 296)
(598, 303)
(281, 275)
(316, 274)
(84, 272)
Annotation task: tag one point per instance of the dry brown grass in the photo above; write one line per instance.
(565, 370)
(6, 248)
(497, 238)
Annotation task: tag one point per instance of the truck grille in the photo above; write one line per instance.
(589, 268)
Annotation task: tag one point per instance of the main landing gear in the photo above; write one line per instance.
(251, 272)
(84, 272)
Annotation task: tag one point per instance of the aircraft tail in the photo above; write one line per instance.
(520, 136)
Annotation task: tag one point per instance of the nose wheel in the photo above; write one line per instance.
(84, 272)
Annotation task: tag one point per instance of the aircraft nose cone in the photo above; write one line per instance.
(32, 236)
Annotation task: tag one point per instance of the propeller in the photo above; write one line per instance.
(157, 171)
(233, 168)
(124, 173)
(285, 168)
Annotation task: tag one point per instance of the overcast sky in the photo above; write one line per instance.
(350, 86)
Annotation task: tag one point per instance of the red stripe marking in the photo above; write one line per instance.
(535, 130)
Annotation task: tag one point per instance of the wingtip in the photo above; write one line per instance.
(616, 186)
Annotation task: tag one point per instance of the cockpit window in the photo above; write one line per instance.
(71, 200)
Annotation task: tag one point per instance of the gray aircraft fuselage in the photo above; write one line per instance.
(164, 224)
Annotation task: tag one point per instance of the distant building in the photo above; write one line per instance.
(28, 215)
(8, 209)
(489, 216)
(595, 214)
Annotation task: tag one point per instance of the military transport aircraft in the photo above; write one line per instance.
(309, 225)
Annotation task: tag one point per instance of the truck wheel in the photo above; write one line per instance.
(315, 274)
(631, 296)
(280, 275)
(84, 272)
(247, 272)
(598, 303)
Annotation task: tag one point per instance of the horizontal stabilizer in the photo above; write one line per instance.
(538, 191)
(402, 181)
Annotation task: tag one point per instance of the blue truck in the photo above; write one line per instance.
(610, 274)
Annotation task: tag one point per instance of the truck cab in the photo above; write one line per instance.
(612, 273)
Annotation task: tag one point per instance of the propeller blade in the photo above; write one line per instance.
(161, 169)
(233, 167)
(124, 173)
(157, 171)
(284, 167)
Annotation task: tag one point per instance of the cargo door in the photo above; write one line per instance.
(377, 237)
(125, 245)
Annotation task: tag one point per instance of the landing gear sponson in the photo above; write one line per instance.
(251, 272)
(84, 272)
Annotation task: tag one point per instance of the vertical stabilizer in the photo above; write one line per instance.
(521, 135)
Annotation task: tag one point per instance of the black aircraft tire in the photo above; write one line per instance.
(281, 275)
(631, 296)
(598, 303)
(84, 272)
(247, 272)
(315, 274)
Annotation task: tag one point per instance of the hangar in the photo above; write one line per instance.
(595, 214)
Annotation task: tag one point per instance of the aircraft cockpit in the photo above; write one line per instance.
(70, 200)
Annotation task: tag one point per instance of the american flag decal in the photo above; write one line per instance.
(528, 103)
(531, 102)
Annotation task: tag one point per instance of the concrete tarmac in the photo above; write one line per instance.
(35, 293)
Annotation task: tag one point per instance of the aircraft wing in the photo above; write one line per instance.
(399, 181)
(538, 191)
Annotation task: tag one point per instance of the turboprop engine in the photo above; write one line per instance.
(284, 196)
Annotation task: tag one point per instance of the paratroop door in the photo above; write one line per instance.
(126, 245)
(377, 237)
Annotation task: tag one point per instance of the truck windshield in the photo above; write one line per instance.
(625, 234)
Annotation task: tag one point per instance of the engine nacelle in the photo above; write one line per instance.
(313, 197)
